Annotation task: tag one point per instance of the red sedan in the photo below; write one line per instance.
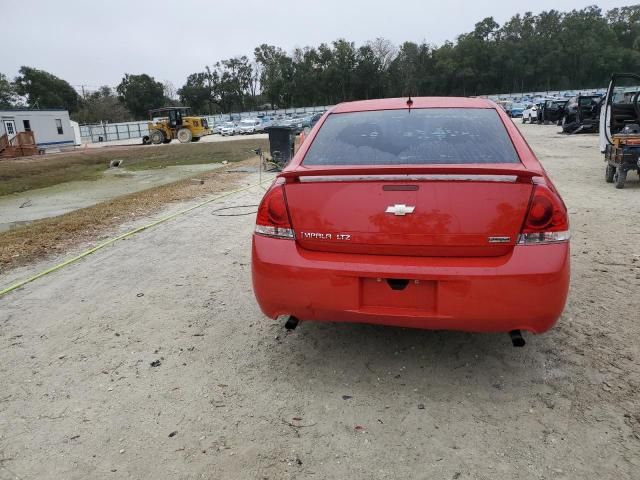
(431, 213)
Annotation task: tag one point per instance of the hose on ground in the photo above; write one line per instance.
(216, 214)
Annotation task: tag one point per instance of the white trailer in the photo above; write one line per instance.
(51, 128)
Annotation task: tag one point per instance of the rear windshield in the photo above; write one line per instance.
(419, 136)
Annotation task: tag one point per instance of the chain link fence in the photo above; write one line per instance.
(109, 132)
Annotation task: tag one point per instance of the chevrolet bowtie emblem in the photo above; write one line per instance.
(400, 209)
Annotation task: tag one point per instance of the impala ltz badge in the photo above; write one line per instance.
(325, 236)
(400, 209)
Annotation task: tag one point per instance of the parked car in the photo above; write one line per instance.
(530, 114)
(295, 122)
(217, 127)
(228, 129)
(506, 106)
(250, 126)
(582, 114)
(552, 111)
(516, 110)
(315, 118)
(371, 223)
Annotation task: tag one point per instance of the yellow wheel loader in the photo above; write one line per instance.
(168, 123)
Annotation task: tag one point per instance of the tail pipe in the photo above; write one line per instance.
(516, 338)
(291, 323)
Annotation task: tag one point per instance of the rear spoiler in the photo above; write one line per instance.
(523, 175)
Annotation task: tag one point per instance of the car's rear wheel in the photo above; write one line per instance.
(524, 120)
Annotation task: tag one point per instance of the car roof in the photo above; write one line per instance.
(418, 102)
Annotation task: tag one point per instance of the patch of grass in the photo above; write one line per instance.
(58, 234)
(22, 174)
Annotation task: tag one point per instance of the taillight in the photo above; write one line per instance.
(547, 220)
(273, 216)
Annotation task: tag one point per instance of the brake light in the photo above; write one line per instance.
(273, 216)
(547, 220)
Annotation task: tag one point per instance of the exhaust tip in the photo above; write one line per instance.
(291, 323)
(516, 338)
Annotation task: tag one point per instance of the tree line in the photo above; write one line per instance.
(550, 51)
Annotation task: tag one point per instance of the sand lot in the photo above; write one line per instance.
(232, 395)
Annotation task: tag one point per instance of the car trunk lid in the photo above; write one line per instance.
(448, 211)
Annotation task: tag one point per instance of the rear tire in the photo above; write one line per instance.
(620, 177)
(609, 173)
(195, 139)
(524, 120)
(156, 137)
(184, 135)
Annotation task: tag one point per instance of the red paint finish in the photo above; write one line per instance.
(450, 218)
(479, 252)
(525, 289)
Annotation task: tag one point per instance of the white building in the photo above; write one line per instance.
(51, 128)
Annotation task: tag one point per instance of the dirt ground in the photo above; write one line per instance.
(150, 359)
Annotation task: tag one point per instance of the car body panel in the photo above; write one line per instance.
(493, 208)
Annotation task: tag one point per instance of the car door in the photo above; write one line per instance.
(620, 106)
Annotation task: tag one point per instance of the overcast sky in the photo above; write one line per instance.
(94, 42)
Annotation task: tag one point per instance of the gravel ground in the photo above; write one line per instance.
(150, 359)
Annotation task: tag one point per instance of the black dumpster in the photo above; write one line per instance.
(281, 144)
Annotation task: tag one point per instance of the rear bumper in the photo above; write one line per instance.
(525, 290)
